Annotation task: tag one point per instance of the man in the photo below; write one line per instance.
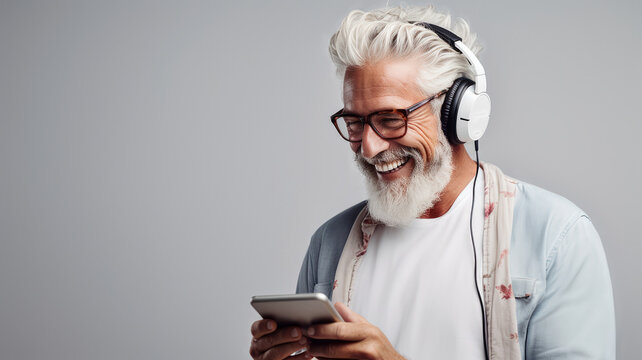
(448, 259)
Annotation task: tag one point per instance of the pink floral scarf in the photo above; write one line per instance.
(501, 320)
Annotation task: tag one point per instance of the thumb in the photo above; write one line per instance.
(349, 315)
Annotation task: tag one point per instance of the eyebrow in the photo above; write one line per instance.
(349, 112)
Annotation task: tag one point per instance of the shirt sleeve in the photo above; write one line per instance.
(575, 318)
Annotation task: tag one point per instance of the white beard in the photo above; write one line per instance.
(400, 201)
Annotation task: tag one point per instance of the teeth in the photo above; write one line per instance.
(388, 166)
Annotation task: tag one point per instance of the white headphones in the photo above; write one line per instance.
(466, 108)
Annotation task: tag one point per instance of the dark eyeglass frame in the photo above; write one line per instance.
(367, 119)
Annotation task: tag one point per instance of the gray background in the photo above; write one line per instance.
(161, 162)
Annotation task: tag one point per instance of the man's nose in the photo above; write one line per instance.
(371, 143)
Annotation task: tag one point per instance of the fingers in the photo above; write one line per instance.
(284, 351)
(347, 314)
(282, 336)
(277, 343)
(262, 327)
(338, 331)
(338, 350)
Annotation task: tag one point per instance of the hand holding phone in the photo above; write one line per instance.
(280, 334)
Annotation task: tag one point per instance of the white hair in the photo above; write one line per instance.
(369, 37)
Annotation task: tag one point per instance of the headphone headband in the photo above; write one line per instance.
(458, 45)
(466, 108)
(446, 35)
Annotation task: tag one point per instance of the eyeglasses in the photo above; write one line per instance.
(388, 124)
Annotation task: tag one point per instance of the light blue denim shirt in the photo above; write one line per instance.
(561, 282)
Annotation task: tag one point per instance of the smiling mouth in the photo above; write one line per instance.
(389, 167)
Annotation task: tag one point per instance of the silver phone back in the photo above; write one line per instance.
(296, 309)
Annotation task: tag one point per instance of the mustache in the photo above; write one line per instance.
(387, 156)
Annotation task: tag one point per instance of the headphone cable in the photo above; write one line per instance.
(472, 238)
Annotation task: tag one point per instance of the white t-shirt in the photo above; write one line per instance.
(416, 283)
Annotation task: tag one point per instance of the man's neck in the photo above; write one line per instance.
(463, 172)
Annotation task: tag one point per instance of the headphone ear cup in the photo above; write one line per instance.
(450, 108)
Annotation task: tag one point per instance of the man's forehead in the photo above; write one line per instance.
(383, 76)
(382, 80)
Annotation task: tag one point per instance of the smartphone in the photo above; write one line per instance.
(296, 309)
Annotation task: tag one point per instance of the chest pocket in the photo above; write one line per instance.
(524, 292)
